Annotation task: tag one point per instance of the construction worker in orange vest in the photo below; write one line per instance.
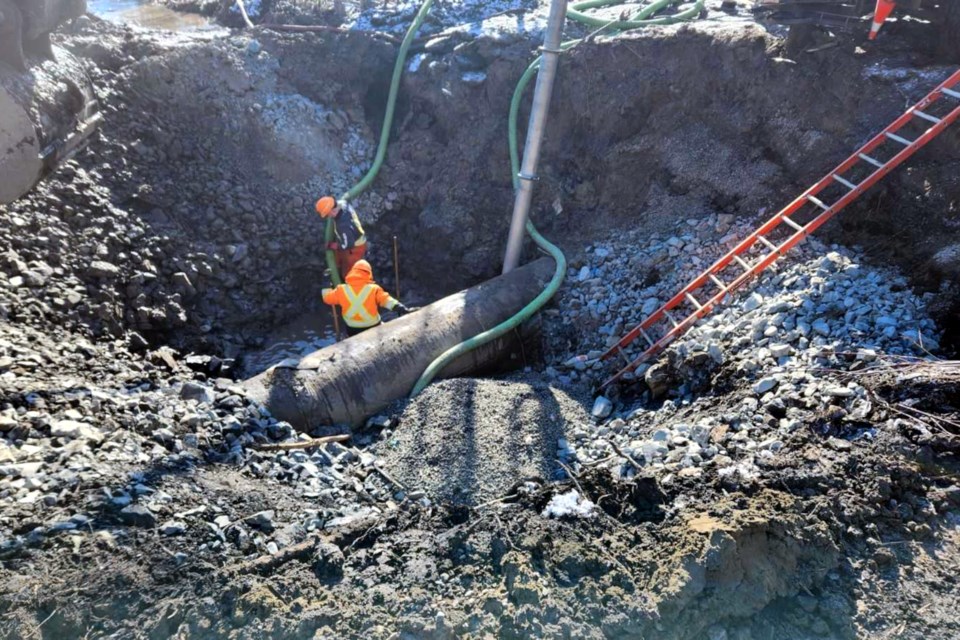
(350, 242)
(360, 299)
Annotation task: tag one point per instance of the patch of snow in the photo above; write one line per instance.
(443, 14)
(571, 504)
(415, 61)
(253, 8)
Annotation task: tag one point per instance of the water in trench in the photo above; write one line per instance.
(289, 343)
(142, 13)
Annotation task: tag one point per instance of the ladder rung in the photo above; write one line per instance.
(899, 139)
(623, 354)
(742, 263)
(693, 301)
(844, 182)
(672, 320)
(646, 337)
(952, 94)
(927, 116)
(793, 224)
(818, 202)
(717, 281)
(873, 161)
(769, 244)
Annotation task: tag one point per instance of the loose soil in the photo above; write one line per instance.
(168, 249)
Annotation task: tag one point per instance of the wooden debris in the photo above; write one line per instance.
(304, 444)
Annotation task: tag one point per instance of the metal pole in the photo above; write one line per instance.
(396, 268)
(336, 322)
(550, 58)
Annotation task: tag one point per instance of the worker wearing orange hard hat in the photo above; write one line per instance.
(360, 299)
(350, 242)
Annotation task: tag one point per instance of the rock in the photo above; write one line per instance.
(822, 327)
(262, 520)
(661, 435)
(780, 350)
(137, 343)
(952, 495)
(602, 408)
(196, 391)
(329, 562)
(173, 528)
(753, 302)
(764, 385)
(658, 379)
(839, 392)
(379, 422)
(102, 269)
(653, 451)
(690, 472)
(72, 430)
(164, 435)
(34, 279)
(946, 262)
(21, 470)
(138, 516)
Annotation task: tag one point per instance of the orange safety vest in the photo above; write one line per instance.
(360, 304)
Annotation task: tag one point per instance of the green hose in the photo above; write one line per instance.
(640, 19)
(359, 188)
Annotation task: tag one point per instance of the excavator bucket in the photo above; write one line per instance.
(47, 111)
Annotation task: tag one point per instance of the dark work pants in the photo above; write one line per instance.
(355, 331)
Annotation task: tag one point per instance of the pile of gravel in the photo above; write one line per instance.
(469, 440)
(784, 352)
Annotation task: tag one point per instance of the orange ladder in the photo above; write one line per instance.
(852, 178)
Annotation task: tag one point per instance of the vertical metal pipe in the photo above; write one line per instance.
(550, 58)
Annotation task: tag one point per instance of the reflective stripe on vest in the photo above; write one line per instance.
(356, 314)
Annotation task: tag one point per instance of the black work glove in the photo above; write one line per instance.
(401, 309)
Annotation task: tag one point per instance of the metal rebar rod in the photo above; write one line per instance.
(550, 58)
(396, 268)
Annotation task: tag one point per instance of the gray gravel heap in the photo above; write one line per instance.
(469, 441)
(777, 347)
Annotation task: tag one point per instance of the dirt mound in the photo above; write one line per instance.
(471, 440)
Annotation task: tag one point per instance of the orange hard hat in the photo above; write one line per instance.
(325, 206)
(364, 266)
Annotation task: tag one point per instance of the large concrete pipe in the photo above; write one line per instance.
(352, 380)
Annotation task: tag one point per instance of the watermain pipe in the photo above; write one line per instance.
(550, 60)
(347, 382)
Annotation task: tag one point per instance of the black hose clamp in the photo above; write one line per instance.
(529, 177)
(545, 50)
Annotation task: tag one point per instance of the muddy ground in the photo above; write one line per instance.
(136, 502)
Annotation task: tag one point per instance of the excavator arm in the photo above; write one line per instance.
(47, 111)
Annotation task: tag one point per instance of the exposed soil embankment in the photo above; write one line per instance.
(219, 148)
(788, 470)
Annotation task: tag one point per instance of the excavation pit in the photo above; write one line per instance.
(763, 481)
